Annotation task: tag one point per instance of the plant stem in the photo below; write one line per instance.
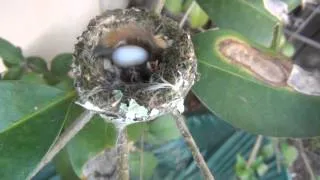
(185, 16)
(306, 160)
(65, 137)
(255, 150)
(122, 154)
(180, 121)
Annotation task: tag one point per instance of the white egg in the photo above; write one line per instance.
(129, 55)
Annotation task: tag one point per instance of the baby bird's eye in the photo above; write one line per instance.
(129, 55)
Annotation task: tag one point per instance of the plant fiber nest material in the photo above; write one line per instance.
(98, 81)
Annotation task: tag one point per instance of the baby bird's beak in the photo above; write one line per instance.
(102, 51)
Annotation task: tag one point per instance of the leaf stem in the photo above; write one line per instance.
(65, 137)
(180, 121)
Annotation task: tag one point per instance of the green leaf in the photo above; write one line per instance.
(161, 130)
(288, 50)
(257, 162)
(290, 154)
(239, 98)
(96, 136)
(247, 17)
(198, 17)
(13, 73)
(65, 84)
(135, 130)
(146, 167)
(9, 53)
(31, 118)
(262, 169)
(241, 163)
(32, 77)
(51, 78)
(61, 64)
(267, 151)
(63, 166)
(37, 64)
(174, 6)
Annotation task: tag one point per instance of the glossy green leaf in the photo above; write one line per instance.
(174, 6)
(247, 17)
(31, 118)
(32, 77)
(51, 78)
(96, 136)
(61, 64)
(135, 130)
(162, 130)
(13, 73)
(9, 53)
(198, 17)
(146, 167)
(65, 84)
(64, 167)
(37, 64)
(246, 102)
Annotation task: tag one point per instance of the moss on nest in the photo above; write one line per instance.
(166, 87)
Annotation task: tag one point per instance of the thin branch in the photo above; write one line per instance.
(306, 160)
(255, 150)
(65, 137)
(180, 121)
(122, 154)
(159, 6)
(185, 16)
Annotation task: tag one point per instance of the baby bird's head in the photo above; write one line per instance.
(133, 49)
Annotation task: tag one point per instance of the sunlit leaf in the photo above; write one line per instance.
(247, 17)
(198, 17)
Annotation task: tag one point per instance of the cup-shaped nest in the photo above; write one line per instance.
(111, 82)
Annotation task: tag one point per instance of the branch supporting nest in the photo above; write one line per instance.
(65, 137)
(122, 154)
(180, 121)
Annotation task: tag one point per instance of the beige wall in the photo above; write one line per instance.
(48, 27)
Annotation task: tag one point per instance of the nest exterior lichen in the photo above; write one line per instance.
(100, 89)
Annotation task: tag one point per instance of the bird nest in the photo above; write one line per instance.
(130, 94)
